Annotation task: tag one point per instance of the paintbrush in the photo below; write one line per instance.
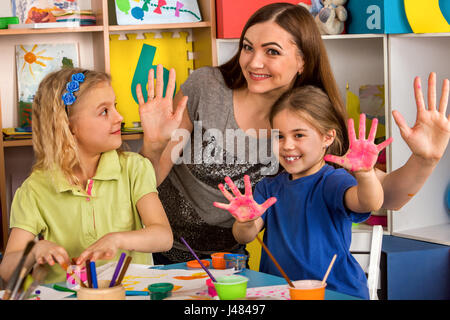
(39, 274)
(275, 262)
(12, 283)
(199, 261)
(21, 281)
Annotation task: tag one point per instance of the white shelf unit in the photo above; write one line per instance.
(394, 60)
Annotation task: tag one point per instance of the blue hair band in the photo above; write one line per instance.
(72, 86)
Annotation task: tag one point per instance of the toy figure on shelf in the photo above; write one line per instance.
(314, 6)
(331, 18)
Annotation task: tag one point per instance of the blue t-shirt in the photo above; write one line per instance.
(308, 224)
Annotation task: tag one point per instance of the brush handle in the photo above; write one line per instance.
(199, 261)
(276, 263)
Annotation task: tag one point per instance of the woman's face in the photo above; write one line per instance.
(269, 59)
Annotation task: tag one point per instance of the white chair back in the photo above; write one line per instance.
(366, 248)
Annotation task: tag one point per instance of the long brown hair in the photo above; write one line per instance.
(296, 20)
(313, 104)
(53, 142)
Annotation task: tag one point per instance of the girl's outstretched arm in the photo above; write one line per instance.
(427, 139)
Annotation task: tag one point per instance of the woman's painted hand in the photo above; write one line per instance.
(158, 118)
(362, 154)
(429, 136)
(243, 207)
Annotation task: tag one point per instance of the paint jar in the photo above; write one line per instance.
(236, 261)
(159, 291)
(218, 260)
(103, 292)
(211, 289)
(80, 271)
(193, 264)
(231, 287)
(307, 290)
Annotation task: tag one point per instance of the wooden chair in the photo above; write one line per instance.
(366, 248)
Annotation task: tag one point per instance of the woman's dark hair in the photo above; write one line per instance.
(317, 72)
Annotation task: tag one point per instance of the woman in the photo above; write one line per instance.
(280, 48)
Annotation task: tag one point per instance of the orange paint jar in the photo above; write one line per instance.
(218, 260)
(193, 264)
(307, 290)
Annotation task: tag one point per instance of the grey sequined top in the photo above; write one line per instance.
(217, 148)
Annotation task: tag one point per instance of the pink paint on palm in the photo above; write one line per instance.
(362, 153)
(243, 207)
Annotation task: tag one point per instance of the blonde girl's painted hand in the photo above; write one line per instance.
(243, 207)
(362, 154)
(157, 115)
(429, 136)
(104, 248)
(49, 252)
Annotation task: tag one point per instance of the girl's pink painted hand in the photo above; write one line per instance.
(362, 154)
(243, 207)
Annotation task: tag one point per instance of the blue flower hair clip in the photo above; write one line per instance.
(74, 85)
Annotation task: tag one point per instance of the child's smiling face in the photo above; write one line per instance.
(301, 146)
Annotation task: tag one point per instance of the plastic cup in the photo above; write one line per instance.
(104, 292)
(80, 271)
(218, 260)
(307, 290)
(159, 291)
(231, 287)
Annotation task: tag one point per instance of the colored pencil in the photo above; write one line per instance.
(136, 293)
(195, 256)
(13, 282)
(61, 288)
(88, 273)
(276, 263)
(94, 275)
(124, 270)
(117, 270)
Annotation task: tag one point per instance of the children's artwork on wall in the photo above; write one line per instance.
(132, 58)
(34, 62)
(156, 11)
(371, 99)
(41, 11)
(371, 102)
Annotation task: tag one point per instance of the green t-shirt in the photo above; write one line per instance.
(47, 204)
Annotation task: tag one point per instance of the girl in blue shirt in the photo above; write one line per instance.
(308, 209)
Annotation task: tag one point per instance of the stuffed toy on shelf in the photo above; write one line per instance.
(330, 15)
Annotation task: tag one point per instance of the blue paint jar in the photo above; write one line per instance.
(236, 261)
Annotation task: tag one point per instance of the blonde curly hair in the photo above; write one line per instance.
(53, 142)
